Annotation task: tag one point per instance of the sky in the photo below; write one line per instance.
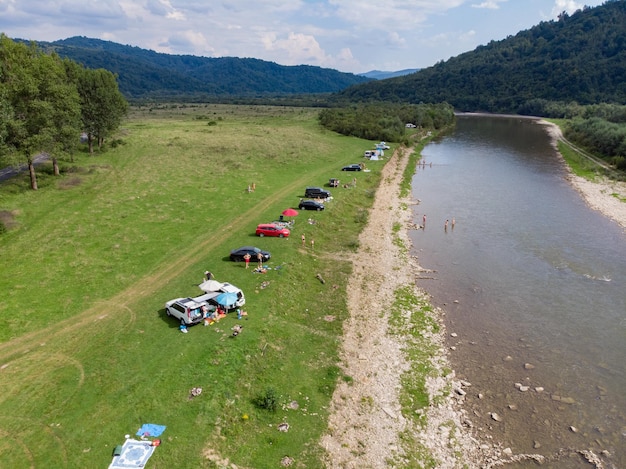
(354, 36)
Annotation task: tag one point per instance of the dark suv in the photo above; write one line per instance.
(316, 193)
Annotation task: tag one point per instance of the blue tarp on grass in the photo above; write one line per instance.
(150, 430)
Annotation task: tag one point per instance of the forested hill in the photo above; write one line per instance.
(579, 58)
(144, 73)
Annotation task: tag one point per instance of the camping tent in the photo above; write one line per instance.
(211, 285)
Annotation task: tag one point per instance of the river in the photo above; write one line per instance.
(531, 281)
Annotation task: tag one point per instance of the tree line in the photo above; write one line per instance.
(598, 128)
(47, 102)
(601, 137)
(385, 121)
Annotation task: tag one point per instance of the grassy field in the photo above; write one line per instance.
(87, 353)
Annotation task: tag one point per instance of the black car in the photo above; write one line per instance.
(316, 193)
(236, 255)
(352, 167)
(311, 205)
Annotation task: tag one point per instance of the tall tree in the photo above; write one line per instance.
(45, 108)
(102, 104)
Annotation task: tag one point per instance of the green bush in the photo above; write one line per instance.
(267, 401)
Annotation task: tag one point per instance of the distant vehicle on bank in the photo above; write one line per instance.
(316, 193)
(272, 229)
(311, 205)
(237, 255)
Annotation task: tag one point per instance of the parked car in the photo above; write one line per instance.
(311, 205)
(352, 167)
(316, 193)
(271, 229)
(187, 310)
(236, 255)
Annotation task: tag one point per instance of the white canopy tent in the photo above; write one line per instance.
(210, 286)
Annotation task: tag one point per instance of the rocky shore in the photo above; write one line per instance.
(366, 421)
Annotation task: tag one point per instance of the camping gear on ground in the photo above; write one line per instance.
(134, 453)
(290, 212)
(150, 429)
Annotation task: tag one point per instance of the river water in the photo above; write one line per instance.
(532, 284)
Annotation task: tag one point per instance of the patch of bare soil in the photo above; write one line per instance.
(69, 183)
(366, 419)
(7, 219)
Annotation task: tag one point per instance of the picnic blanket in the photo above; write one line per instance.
(150, 429)
(135, 453)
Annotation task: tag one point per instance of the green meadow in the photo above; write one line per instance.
(87, 353)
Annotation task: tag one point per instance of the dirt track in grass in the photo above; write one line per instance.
(116, 309)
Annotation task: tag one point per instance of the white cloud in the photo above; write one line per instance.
(164, 8)
(350, 35)
(396, 13)
(296, 48)
(569, 6)
(189, 40)
(489, 4)
(394, 39)
(468, 36)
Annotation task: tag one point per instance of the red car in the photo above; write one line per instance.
(270, 229)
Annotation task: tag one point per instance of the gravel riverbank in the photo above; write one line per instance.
(366, 421)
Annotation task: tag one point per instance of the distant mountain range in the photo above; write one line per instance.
(379, 75)
(144, 73)
(578, 58)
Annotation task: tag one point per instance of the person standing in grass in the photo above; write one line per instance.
(246, 258)
(259, 256)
